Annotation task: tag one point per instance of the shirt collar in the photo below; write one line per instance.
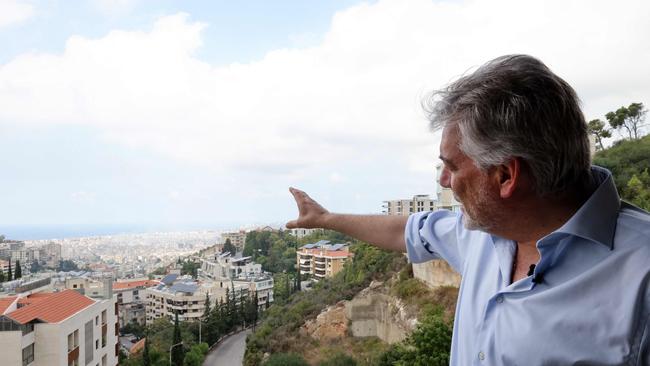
(596, 218)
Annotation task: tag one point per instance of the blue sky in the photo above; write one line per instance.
(195, 114)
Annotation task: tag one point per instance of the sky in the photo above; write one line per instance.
(175, 115)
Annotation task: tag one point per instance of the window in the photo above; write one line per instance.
(28, 354)
(27, 328)
(73, 340)
(97, 320)
(88, 341)
(97, 344)
(104, 317)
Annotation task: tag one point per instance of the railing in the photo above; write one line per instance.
(73, 355)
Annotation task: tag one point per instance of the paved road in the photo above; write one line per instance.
(230, 352)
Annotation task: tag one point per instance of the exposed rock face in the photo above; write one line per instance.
(436, 273)
(328, 325)
(372, 313)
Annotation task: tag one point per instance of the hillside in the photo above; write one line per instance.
(629, 162)
(315, 327)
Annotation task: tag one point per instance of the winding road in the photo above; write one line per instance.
(230, 352)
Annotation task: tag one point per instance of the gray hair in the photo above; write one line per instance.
(515, 107)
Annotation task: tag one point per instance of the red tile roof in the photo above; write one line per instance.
(138, 346)
(6, 302)
(52, 309)
(34, 298)
(134, 284)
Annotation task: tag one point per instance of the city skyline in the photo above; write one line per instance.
(173, 116)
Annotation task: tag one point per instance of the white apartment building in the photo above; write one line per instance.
(50, 254)
(131, 300)
(405, 207)
(186, 297)
(226, 266)
(446, 200)
(301, 233)
(242, 271)
(4, 268)
(58, 328)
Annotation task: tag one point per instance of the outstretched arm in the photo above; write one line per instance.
(383, 231)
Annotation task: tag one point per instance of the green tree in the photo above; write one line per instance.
(298, 281)
(190, 268)
(177, 352)
(19, 271)
(35, 267)
(597, 128)
(630, 118)
(196, 355)
(286, 359)
(207, 308)
(2, 276)
(428, 345)
(67, 266)
(638, 190)
(9, 273)
(229, 247)
(339, 359)
(146, 360)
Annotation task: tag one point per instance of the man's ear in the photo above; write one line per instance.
(508, 177)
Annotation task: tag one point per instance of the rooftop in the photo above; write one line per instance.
(54, 308)
(6, 302)
(134, 284)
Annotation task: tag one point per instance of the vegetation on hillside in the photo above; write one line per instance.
(629, 162)
(278, 331)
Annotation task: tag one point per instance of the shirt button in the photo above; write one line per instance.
(500, 299)
(481, 356)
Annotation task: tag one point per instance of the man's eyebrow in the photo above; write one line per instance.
(447, 161)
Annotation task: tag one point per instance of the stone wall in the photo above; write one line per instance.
(436, 273)
(375, 314)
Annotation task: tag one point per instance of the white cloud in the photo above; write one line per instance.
(354, 95)
(83, 197)
(14, 11)
(114, 7)
(336, 177)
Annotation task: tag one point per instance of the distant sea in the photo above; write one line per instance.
(41, 232)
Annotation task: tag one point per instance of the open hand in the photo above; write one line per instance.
(310, 213)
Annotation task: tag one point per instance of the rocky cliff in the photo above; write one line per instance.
(371, 313)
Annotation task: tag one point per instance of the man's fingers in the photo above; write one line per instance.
(298, 194)
(293, 224)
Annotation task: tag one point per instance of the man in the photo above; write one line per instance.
(555, 268)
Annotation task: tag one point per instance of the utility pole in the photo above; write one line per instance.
(170, 351)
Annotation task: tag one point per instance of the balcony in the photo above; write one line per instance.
(73, 355)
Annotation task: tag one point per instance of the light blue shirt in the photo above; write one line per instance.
(591, 308)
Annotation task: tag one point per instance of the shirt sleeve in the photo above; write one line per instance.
(434, 235)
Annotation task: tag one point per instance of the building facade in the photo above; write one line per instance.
(241, 271)
(185, 297)
(405, 207)
(131, 300)
(321, 259)
(58, 328)
(237, 238)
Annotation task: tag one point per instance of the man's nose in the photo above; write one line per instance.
(445, 178)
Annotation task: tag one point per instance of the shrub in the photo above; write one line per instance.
(286, 359)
